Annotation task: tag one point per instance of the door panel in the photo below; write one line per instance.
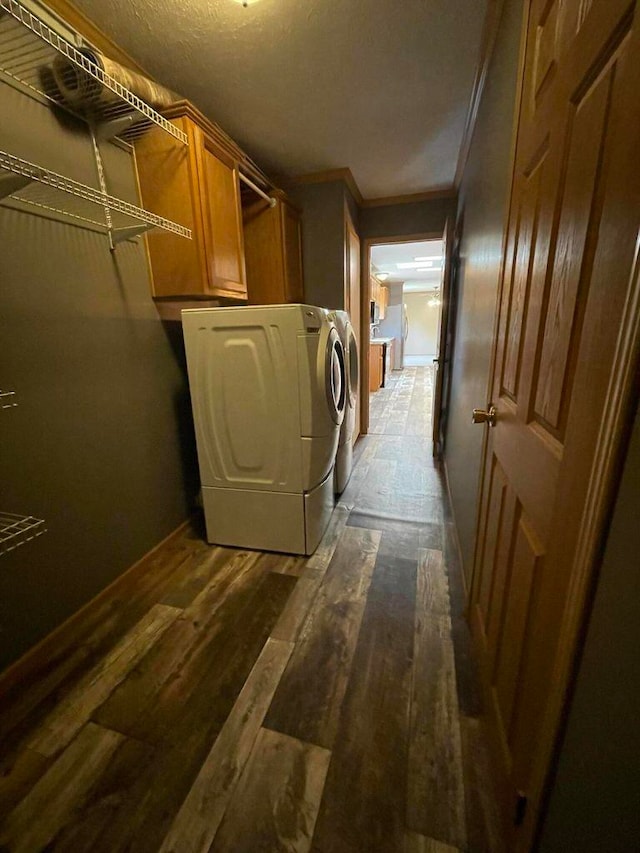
(569, 311)
(563, 305)
(223, 224)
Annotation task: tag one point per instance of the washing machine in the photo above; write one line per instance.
(268, 394)
(344, 456)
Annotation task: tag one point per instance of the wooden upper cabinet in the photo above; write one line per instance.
(383, 301)
(272, 247)
(196, 185)
(374, 289)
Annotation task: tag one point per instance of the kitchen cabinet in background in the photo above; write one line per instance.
(380, 295)
(376, 366)
(272, 249)
(383, 301)
(199, 184)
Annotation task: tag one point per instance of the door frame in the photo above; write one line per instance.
(365, 291)
(443, 359)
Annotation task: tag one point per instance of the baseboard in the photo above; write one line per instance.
(66, 634)
(455, 529)
(417, 360)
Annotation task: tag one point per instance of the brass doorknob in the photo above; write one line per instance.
(484, 416)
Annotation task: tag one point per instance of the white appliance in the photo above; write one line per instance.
(268, 394)
(344, 456)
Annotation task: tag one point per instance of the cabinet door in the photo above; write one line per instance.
(383, 301)
(375, 367)
(292, 248)
(263, 253)
(169, 186)
(222, 219)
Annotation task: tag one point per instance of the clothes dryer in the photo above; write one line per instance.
(344, 456)
(268, 394)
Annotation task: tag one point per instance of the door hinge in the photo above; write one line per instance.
(521, 809)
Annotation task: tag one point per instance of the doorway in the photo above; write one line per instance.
(404, 284)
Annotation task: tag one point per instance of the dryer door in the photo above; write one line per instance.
(336, 379)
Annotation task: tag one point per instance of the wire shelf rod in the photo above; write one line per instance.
(47, 189)
(16, 530)
(272, 201)
(28, 48)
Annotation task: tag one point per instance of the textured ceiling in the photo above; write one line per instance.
(380, 86)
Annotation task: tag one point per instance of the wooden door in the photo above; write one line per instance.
(565, 366)
(353, 302)
(222, 217)
(439, 363)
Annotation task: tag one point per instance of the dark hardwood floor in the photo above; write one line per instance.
(241, 701)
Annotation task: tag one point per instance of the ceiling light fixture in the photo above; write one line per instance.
(382, 276)
(429, 258)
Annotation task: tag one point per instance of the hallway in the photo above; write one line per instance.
(255, 702)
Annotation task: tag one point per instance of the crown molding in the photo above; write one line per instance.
(344, 174)
(328, 176)
(412, 198)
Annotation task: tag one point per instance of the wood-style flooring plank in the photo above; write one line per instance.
(97, 634)
(484, 820)
(317, 564)
(49, 805)
(283, 564)
(193, 575)
(364, 801)
(436, 805)
(190, 714)
(433, 583)
(409, 536)
(275, 804)
(137, 705)
(415, 843)
(18, 774)
(150, 703)
(201, 813)
(359, 475)
(66, 720)
(296, 610)
(86, 824)
(308, 700)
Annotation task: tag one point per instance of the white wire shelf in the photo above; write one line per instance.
(16, 530)
(50, 192)
(8, 400)
(28, 49)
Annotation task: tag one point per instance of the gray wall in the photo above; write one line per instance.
(595, 802)
(101, 444)
(483, 208)
(404, 220)
(323, 235)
